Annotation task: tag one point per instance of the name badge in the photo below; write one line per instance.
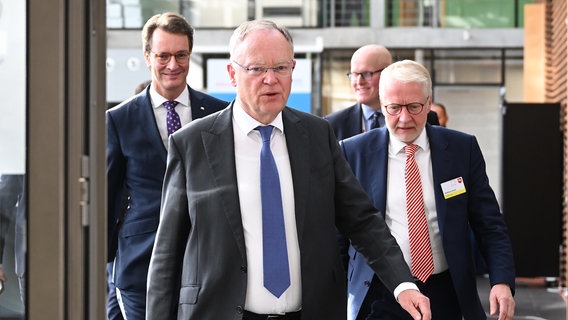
(453, 187)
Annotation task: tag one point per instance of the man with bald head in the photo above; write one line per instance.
(367, 62)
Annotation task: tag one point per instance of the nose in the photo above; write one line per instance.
(359, 78)
(172, 64)
(269, 76)
(404, 115)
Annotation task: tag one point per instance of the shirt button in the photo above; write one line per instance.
(240, 310)
(367, 283)
(243, 269)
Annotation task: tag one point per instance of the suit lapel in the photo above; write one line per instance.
(148, 120)
(377, 159)
(355, 120)
(197, 106)
(441, 164)
(297, 141)
(220, 149)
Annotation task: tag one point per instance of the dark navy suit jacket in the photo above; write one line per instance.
(348, 122)
(136, 163)
(454, 154)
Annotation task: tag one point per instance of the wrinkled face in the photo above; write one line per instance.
(262, 94)
(168, 78)
(366, 90)
(404, 126)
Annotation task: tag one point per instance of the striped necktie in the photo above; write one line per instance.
(422, 263)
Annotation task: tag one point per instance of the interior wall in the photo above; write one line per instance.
(475, 110)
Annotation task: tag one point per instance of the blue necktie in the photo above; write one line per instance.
(376, 120)
(275, 254)
(172, 119)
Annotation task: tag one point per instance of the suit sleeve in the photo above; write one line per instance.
(488, 223)
(116, 166)
(167, 256)
(365, 227)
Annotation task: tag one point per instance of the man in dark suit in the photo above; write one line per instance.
(455, 195)
(367, 63)
(207, 262)
(137, 133)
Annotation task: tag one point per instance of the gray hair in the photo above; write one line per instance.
(407, 71)
(245, 28)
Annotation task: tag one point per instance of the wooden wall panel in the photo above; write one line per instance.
(535, 53)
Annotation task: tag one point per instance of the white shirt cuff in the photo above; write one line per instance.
(404, 286)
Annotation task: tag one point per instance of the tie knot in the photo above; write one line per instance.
(265, 132)
(411, 149)
(170, 105)
(375, 120)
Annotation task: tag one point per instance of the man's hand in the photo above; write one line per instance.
(415, 303)
(501, 298)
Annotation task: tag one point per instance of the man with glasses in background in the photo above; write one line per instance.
(431, 186)
(137, 134)
(367, 63)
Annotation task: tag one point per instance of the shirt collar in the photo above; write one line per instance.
(398, 146)
(246, 123)
(158, 100)
(368, 111)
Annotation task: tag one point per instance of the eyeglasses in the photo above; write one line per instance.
(165, 57)
(413, 108)
(279, 70)
(367, 75)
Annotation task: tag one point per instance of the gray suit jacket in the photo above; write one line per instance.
(198, 268)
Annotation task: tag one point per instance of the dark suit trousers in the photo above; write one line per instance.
(380, 304)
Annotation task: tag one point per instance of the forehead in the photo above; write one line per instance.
(365, 63)
(171, 42)
(395, 91)
(265, 45)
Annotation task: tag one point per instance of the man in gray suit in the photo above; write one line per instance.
(137, 133)
(207, 261)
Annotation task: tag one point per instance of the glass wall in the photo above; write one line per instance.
(456, 13)
(131, 14)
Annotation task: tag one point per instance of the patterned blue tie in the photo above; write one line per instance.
(275, 254)
(172, 120)
(376, 120)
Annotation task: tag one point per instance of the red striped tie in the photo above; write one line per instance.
(419, 239)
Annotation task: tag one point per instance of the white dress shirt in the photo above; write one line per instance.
(395, 213)
(183, 108)
(248, 144)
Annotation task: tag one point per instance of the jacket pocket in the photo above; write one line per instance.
(188, 294)
(137, 227)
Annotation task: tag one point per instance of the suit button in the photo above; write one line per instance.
(367, 283)
(240, 310)
(243, 269)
